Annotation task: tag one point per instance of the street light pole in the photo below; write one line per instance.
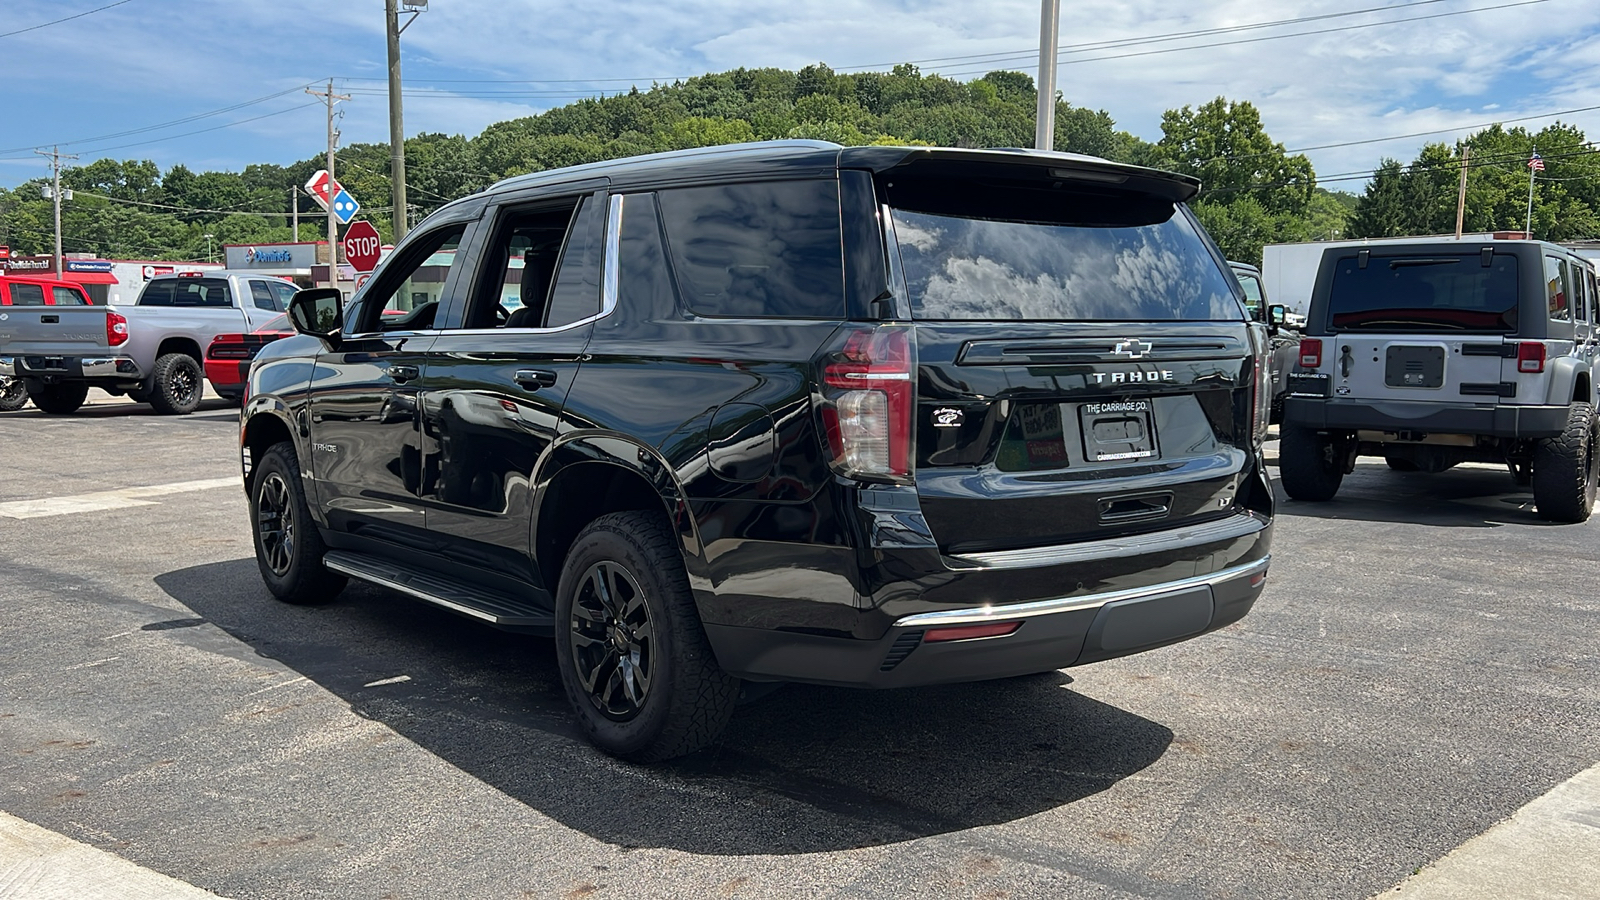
(1044, 134)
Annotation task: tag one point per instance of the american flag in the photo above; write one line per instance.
(1537, 162)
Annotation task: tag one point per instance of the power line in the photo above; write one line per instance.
(66, 19)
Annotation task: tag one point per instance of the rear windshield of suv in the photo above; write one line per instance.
(1425, 292)
(1137, 260)
(185, 292)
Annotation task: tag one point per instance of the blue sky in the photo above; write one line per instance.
(468, 63)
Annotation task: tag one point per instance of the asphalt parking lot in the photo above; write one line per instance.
(1424, 662)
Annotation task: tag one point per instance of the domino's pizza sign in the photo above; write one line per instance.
(265, 256)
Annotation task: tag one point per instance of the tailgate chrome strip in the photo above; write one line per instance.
(1235, 526)
(1006, 613)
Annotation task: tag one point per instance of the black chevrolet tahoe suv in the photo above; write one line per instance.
(874, 417)
(1434, 353)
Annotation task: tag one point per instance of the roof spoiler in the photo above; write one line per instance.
(1071, 167)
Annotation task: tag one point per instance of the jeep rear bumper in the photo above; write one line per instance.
(1504, 420)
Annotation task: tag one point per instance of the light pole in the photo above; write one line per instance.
(1044, 133)
(397, 130)
(209, 257)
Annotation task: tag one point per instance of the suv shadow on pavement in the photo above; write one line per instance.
(102, 409)
(806, 769)
(1472, 496)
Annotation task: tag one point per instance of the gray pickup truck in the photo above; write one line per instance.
(153, 351)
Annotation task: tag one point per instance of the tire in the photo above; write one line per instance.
(13, 394)
(1400, 465)
(1564, 472)
(1306, 465)
(628, 563)
(288, 546)
(58, 399)
(177, 384)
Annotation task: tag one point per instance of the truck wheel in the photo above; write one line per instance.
(176, 388)
(1306, 464)
(58, 399)
(288, 547)
(1564, 469)
(633, 656)
(13, 394)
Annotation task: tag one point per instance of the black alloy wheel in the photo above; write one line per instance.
(275, 523)
(613, 640)
(13, 394)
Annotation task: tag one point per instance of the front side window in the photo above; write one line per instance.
(1433, 292)
(282, 293)
(768, 249)
(1035, 256)
(411, 302)
(540, 270)
(1252, 291)
(65, 296)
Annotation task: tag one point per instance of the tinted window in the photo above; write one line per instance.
(261, 296)
(576, 294)
(643, 280)
(186, 292)
(27, 295)
(965, 267)
(282, 292)
(1558, 288)
(65, 296)
(771, 249)
(407, 298)
(1447, 291)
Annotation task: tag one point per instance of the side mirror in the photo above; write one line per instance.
(1277, 314)
(318, 312)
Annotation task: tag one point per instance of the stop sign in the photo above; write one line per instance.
(361, 246)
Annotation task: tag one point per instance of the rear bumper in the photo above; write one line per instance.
(227, 376)
(1053, 633)
(1503, 420)
(55, 369)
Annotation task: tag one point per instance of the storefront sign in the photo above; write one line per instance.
(89, 265)
(27, 264)
(271, 257)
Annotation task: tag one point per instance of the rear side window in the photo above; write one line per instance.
(27, 295)
(1558, 289)
(65, 296)
(261, 295)
(769, 249)
(576, 294)
(1433, 292)
(1037, 256)
(211, 292)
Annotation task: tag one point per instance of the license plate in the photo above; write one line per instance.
(1117, 431)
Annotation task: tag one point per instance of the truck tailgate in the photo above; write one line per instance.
(52, 330)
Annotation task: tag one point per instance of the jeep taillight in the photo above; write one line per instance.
(116, 329)
(1310, 353)
(1530, 357)
(867, 393)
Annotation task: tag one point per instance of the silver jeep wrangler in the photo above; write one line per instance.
(1431, 354)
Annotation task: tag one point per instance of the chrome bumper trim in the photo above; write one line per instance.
(1234, 526)
(1068, 604)
(110, 367)
(8, 366)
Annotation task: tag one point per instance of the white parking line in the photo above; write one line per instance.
(39, 864)
(1549, 849)
(99, 500)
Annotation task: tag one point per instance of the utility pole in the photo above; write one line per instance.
(1044, 133)
(56, 156)
(397, 129)
(333, 221)
(1461, 194)
(294, 211)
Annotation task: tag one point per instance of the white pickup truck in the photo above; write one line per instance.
(153, 351)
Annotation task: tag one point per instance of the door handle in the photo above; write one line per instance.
(533, 379)
(403, 374)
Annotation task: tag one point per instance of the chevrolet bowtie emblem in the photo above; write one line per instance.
(1133, 349)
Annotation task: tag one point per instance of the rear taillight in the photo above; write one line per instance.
(1530, 357)
(229, 346)
(116, 329)
(1261, 394)
(1310, 353)
(867, 403)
